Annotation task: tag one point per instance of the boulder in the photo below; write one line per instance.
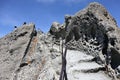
(58, 30)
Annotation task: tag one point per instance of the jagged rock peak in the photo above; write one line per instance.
(94, 14)
(13, 49)
(99, 11)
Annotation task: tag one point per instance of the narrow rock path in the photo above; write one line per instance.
(80, 66)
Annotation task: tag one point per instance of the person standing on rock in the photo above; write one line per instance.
(15, 27)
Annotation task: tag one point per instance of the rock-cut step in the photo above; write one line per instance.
(80, 67)
(89, 67)
(88, 76)
(77, 56)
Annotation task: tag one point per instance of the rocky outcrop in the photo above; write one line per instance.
(58, 30)
(13, 48)
(90, 39)
(93, 22)
(96, 30)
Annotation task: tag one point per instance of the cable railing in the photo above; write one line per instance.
(63, 74)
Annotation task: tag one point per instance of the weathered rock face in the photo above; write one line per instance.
(13, 48)
(91, 33)
(58, 30)
(92, 22)
(96, 29)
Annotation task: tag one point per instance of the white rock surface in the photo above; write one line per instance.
(77, 62)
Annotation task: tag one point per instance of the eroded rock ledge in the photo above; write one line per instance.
(13, 49)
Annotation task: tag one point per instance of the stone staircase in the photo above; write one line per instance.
(81, 67)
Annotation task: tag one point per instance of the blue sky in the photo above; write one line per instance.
(44, 12)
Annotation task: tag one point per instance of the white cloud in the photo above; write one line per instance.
(75, 1)
(67, 1)
(46, 1)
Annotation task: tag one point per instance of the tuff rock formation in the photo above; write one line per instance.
(97, 31)
(93, 49)
(58, 30)
(13, 50)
